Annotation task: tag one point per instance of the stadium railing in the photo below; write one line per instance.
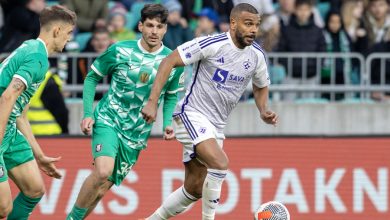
(357, 80)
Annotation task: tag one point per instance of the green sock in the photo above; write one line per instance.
(23, 206)
(77, 213)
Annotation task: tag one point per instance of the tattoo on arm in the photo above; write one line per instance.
(18, 85)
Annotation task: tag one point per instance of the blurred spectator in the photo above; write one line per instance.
(117, 24)
(223, 8)
(352, 16)
(21, 24)
(287, 8)
(378, 20)
(377, 66)
(99, 42)
(178, 31)
(336, 42)
(48, 114)
(207, 22)
(269, 32)
(90, 14)
(302, 35)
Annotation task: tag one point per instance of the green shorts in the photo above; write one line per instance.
(105, 142)
(15, 150)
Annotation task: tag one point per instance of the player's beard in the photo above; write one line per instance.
(241, 39)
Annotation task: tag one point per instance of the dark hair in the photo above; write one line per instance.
(329, 15)
(100, 30)
(304, 2)
(57, 13)
(152, 11)
(243, 7)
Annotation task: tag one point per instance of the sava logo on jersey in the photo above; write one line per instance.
(221, 76)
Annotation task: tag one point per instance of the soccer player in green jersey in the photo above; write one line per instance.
(119, 132)
(20, 75)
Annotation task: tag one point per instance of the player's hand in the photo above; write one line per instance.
(269, 117)
(149, 112)
(86, 125)
(46, 164)
(169, 134)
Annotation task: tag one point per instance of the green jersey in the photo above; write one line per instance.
(29, 63)
(133, 71)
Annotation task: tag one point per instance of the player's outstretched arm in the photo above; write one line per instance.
(261, 99)
(45, 163)
(7, 102)
(149, 112)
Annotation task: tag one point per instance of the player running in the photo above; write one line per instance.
(119, 132)
(20, 76)
(223, 66)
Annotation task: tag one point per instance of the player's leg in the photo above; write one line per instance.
(24, 171)
(104, 150)
(28, 179)
(5, 191)
(210, 152)
(102, 191)
(125, 159)
(181, 199)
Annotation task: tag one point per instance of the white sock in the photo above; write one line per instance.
(211, 192)
(176, 203)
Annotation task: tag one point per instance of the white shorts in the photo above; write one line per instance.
(191, 128)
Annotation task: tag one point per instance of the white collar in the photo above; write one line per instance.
(145, 51)
(43, 42)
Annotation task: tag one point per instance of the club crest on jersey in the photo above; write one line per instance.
(98, 147)
(144, 77)
(1, 172)
(220, 75)
(247, 64)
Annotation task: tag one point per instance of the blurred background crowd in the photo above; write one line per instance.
(287, 26)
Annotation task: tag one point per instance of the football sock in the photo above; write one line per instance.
(211, 192)
(176, 203)
(22, 207)
(77, 213)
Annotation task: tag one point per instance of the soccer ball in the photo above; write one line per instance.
(272, 211)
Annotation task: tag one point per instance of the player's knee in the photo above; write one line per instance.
(36, 192)
(219, 164)
(5, 210)
(102, 175)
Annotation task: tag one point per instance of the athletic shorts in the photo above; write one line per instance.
(105, 142)
(191, 128)
(14, 151)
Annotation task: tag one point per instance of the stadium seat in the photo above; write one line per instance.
(311, 100)
(82, 39)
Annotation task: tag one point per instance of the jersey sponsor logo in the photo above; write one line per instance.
(98, 147)
(188, 47)
(144, 77)
(220, 76)
(2, 171)
(235, 78)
